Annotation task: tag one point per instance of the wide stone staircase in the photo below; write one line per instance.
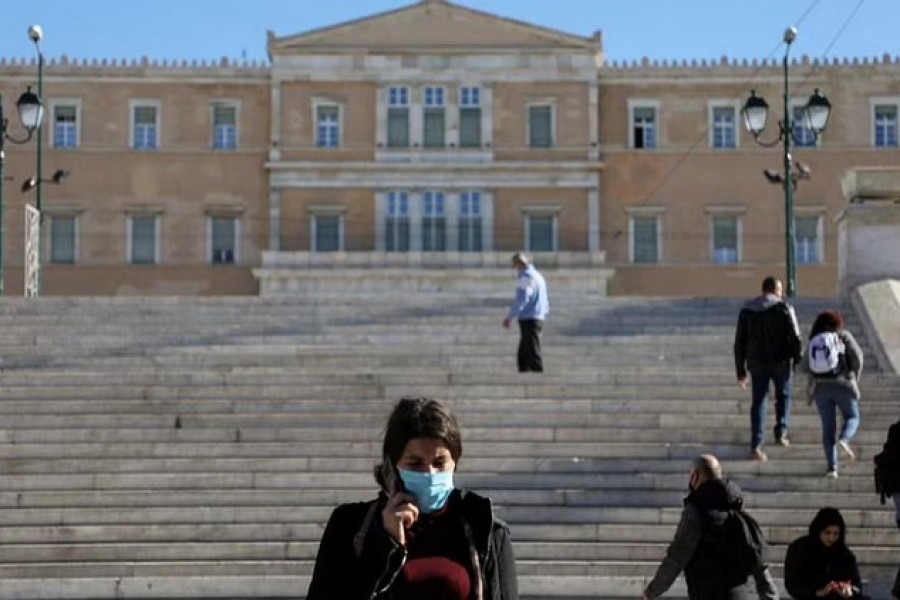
(194, 448)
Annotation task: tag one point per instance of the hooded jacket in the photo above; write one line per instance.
(700, 544)
(809, 565)
(358, 560)
(767, 335)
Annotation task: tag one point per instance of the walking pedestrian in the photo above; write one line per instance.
(530, 308)
(767, 345)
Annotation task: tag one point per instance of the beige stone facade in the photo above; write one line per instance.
(433, 129)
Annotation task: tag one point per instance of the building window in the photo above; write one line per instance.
(65, 126)
(885, 134)
(723, 127)
(470, 117)
(224, 118)
(63, 240)
(540, 233)
(398, 117)
(808, 240)
(726, 240)
(328, 125)
(143, 240)
(145, 127)
(643, 127)
(328, 233)
(645, 239)
(223, 240)
(470, 222)
(434, 117)
(540, 126)
(397, 222)
(804, 137)
(434, 222)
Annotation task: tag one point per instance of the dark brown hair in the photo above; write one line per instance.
(419, 418)
(827, 320)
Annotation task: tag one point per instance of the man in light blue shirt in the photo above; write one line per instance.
(530, 308)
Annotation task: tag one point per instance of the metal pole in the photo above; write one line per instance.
(40, 167)
(786, 134)
(2, 174)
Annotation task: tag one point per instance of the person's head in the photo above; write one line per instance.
(827, 320)
(772, 285)
(828, 527)
(520, 261)
(706, 468)
(421, 435)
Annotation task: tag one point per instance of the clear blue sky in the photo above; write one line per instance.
(661, 29)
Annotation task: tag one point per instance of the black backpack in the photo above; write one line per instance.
(746, 547)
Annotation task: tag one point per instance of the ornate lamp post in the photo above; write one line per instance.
(815, 118)
(31, 113)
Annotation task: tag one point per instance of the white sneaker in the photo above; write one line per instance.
(831, 474)
(846, 449)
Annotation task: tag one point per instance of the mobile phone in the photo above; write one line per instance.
(391, 477)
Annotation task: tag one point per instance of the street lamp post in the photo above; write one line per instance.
(815, 118)
(36, 34)
(31, 112)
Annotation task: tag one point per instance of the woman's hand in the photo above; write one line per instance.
(825, 590)
(398, 515)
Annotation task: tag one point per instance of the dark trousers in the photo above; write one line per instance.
(529, 356)
(780, 377)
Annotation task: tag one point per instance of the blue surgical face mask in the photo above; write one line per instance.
(431, 490)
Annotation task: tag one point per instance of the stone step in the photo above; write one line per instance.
(243, 550)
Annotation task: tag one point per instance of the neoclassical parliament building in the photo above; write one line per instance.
(435, 137)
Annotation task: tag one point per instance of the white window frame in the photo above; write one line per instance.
(326, 211)
(647, 212)
(410, 215)
(739, 237)
(635, 103)
(547, 210)
(225, 103)
(408, 105)
(712, 105)
(129, 227)
(441, 91)
(884, 101)
(53, 105)
(471, 195)
(817, 139)
(471, 104)
(818, 214)
(76, 217)
(318, 103)
(133, 105)
(209, 238)
(541, 103)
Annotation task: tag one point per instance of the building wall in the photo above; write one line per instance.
(593, 181)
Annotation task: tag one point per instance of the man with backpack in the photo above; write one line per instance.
(767, 345)
(719, 547)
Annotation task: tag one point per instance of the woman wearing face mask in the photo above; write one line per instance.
(421, 538)
(820, 565)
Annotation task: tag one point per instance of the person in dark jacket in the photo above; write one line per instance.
(820, 565)
(421, 538)
(700, 547)
(837, 391)
(767, 345)
(888, 473)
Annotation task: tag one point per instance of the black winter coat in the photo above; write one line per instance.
(767, 335)
(358, 560)
(810, 566)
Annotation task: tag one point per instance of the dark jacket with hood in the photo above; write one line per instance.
(700, 545)
(888, 463)
(767, 335)
(359, 560)
(810, 566)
